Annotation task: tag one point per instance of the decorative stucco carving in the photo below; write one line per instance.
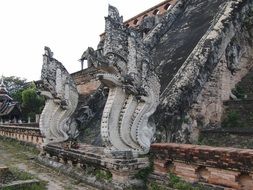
(59, 89)
(133, 87)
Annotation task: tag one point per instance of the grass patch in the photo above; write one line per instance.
(39, 186)
(9, 143)
(155, 186)
(103, 175)
(15, 174)
(21, 175)
(177, 183)
(143, 173)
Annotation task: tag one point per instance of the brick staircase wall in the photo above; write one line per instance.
(227, 168)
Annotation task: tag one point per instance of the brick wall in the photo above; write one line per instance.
(158, 9)
(22, 133)
(86, 81)
(228, 167)
(88, 87)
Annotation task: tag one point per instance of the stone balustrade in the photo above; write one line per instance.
(228, 167)
(159, 9)
(22, 133)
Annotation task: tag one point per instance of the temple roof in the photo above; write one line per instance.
(7, 107)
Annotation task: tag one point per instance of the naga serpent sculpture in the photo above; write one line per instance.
(58, 87)
(133, 87)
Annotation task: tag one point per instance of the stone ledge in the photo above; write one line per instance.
(221, 157)
(79, 173)
(123, 167)
(231, 168)
(235, 130)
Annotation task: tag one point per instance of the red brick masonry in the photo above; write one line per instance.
(227, 167)
(24, 133)
(158, 9)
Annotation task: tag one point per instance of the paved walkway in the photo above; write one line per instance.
(15, 155)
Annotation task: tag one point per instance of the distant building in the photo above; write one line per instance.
(10, 111)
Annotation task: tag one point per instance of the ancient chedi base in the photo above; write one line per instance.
(56, 123)
(133, 87)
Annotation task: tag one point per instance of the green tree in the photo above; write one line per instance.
(14, 84)
(32, 103)
(25, 93)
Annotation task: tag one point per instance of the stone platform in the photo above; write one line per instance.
(122, 165)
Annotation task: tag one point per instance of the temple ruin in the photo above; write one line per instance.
(167, 75)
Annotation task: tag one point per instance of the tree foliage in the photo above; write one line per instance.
(25, 93)
(32, 103)
(14, 84)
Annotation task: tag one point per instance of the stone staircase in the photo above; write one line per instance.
(239, 112)
(237, 121)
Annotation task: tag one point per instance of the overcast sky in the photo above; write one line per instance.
(68, 27)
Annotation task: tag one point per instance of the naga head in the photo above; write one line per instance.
(125, 63)
(54, 79)
(123, 57)
(57, 85)
(46, 86)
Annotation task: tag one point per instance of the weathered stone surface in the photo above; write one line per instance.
(133, 87)
(88, 116)
(198, 59)
(122, 166)
(58, 87)
(195, 66)
(92, 99)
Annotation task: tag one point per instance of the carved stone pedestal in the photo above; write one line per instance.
(122, 165)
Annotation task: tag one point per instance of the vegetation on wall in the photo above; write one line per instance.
(239, 92)
(232, 120)
(177, 183)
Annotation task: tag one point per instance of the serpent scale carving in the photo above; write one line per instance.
(58, 87)
(133, 87)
